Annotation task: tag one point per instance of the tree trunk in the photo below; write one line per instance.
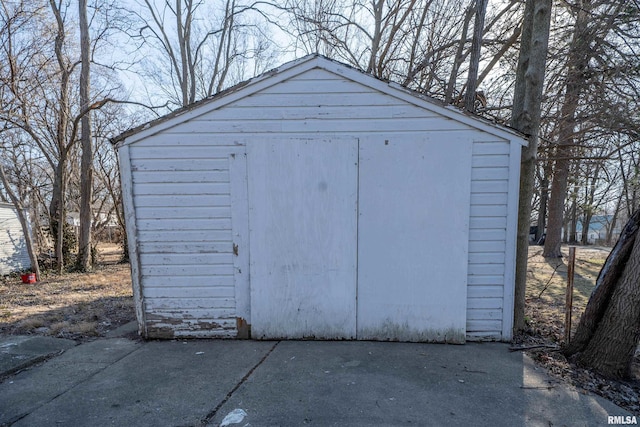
(474, 60)
(614, 221)
(184, 65)
(590, 195)
(594, 22)
(525, 117)
(542, 212)
(451, 85)
(612, 347)
(605, 284)
(578, 58)
(586, 223)
(376, 37)
(57, 213)
(86, 173)
(573, 230)
(57, 206)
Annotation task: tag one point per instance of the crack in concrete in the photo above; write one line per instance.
(205, 421)
(22, 416)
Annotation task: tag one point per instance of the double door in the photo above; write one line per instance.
(355, 239)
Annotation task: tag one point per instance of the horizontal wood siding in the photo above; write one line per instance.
(183, 218)
(316, 101)
(182, 196)
(487, 240)
(13, 247)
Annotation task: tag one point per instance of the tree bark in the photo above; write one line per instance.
(474, 60)
(573, 230)
(182, 45)
(612, 347)
(57, 210)
(457, 62)
(86, 173)
(542, 212)
(590, 194)
(605, 283)
(57, 206)
(614, 221)
(376, 36)
(525, 117)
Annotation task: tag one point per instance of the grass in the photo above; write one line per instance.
(547, 284)
(545, 313)
(71, 305)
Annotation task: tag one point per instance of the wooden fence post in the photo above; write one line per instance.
(569, 296)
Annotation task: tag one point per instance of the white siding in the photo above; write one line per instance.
(183, 220)
(13, 248)
(181, 191)
(487, 239)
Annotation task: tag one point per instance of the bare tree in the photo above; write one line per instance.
(526, 116)
(27, 79)
(196, 48)
(594, 20)
(459, 58)
(38, 83)
(474, 62)
(86, 179)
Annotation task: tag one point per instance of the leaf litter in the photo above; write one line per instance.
(544, 316)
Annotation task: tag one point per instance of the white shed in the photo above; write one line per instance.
(316, 201)
(14, 255)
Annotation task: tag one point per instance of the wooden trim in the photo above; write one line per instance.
(126, 182)
(240, 232)
(510, 249)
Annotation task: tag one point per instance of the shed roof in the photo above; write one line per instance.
(299, 66)
(7, 205)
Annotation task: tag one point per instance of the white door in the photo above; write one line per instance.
(412, 239)
(303, 237)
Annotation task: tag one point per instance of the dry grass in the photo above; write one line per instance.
(547, 284)
(71, 305)
(545, 314)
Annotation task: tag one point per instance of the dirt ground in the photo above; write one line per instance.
(545, 316)
(73, 305)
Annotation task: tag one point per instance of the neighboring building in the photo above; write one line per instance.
(317, 201)
(598, 228)
(107, 225)
(14, 255)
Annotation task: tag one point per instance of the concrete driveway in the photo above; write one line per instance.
(123, 382)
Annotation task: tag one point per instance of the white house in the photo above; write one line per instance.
(316, 201)
(598, 228)
(14, 255)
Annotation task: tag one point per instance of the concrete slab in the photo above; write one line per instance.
(292, 383)
(19, 351)
(372, 383)
(38, 386)
(159, 384)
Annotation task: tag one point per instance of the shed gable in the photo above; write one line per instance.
(181, 192)
(317, 100)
